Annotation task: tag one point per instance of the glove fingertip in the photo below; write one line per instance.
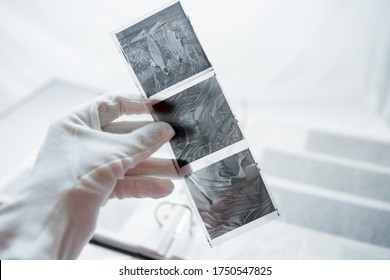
(168, 188)
(167, 128)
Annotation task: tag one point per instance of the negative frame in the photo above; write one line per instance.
(162, 50)
(202, 120)
(230, 197)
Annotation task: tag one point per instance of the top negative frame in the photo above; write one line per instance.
(162, 50)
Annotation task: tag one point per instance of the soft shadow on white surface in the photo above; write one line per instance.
(258, 48)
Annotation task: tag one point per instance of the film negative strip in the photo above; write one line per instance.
(170, 67)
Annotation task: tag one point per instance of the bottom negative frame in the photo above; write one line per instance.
(230, 197)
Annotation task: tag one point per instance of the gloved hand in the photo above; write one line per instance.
(85, 159)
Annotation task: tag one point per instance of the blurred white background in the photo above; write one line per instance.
(282, 51)
(286, 67)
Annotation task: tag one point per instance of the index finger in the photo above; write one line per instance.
(155, 167)
(113, 105)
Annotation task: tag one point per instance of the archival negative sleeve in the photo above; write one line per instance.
(162, 49)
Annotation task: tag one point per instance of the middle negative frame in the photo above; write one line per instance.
(170, 67)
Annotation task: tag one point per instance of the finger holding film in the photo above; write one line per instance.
(156, 167)
(113, 105)
(128, 149)
(143, 142)
(141, 187)
(123, 127)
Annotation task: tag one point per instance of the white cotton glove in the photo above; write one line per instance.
(85, 159)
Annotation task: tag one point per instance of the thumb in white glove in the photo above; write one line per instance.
(85, 159)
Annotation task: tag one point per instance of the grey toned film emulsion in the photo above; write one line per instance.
(170, 66)
(202, 120)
